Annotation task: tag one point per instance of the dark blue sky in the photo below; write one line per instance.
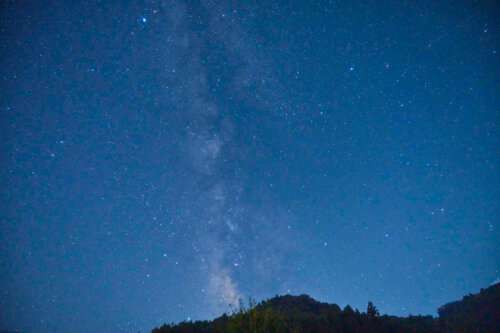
(162, 159)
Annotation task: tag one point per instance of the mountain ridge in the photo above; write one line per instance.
(474, 313)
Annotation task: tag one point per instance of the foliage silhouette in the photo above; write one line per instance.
(478, 313)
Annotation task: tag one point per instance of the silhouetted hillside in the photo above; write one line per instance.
(478, 313)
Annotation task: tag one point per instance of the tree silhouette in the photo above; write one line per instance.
(371, 310)
(302, 314)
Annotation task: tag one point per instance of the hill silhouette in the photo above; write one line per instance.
(478, 313)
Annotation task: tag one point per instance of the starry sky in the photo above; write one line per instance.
(161, 160)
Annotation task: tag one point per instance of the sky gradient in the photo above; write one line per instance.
(163, 159)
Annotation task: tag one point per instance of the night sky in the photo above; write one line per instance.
(161, 160)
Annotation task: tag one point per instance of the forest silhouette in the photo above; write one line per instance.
(475, 313)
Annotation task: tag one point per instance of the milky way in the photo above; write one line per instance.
(227, 229)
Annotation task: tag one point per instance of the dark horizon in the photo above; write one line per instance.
(250, 303)
(474, 313)
(162, 159)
